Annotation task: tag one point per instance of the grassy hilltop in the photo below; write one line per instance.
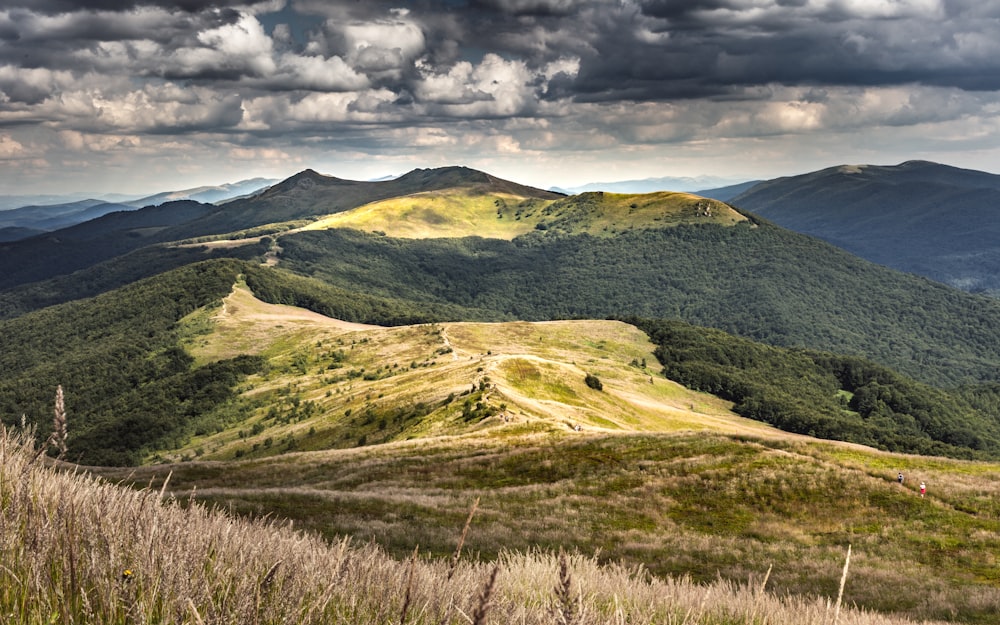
(457, 213)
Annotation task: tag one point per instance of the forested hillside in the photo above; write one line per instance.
(754, 280)
(822, 394)
(84, 245)
(919, 217)
(114, 273)
(128, 384)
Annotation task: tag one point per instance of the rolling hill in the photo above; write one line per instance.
(919, 217)
(368, 358)
(388, 433)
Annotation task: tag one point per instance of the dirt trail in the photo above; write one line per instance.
(447, 342)
(241, 306)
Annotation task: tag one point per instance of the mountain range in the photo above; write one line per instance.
(919, 217)
(27, 220)
(664, 183)
(448, 329)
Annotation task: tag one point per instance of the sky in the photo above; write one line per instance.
(137, 96)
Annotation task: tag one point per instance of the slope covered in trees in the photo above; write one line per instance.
(823, 394)
(128, 385)
(754, 280)
(920, 217)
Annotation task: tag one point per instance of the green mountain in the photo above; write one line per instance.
(595, 255)
(919, 217)
(309, 194)
(83, 245)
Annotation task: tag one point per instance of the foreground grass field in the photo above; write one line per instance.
(700, 506)
(387, 435)
(74, 549)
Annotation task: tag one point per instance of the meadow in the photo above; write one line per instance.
(77, 549)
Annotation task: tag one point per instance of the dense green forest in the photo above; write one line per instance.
(823, 395)
(757, 281)
(112, 274)
(128, 385)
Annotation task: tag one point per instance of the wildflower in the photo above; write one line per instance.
(127, 575)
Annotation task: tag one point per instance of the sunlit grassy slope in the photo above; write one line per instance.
(333, 384)
(458, 213)
(389, 434)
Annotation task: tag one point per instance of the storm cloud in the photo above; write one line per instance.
(91, 89)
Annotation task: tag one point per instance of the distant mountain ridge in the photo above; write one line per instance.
(56, 216)
(934, 220)
(45, 216)
(209, 194)
(689, 184)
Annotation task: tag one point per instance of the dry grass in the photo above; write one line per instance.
(686, 504)
(452, 213)
(74, 549)
(382, 372)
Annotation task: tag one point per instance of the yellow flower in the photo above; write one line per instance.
(127, 575)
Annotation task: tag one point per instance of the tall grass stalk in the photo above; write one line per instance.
(409, 587)
(843, 581)
(59, 427)
(563, 592)
(461, 539)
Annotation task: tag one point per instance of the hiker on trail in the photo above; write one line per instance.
(900, 478)
(923, 489)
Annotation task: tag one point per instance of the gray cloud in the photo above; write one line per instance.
(485, 77)
(57, 7)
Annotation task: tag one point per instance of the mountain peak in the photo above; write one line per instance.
(303, 181)
(455, 175)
